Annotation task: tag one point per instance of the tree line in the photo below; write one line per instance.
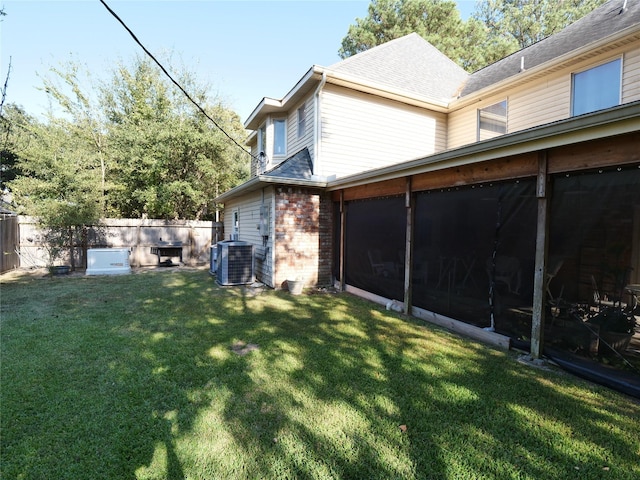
(496, 29)
(130, 146)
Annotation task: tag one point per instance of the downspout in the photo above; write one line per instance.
(317, 131)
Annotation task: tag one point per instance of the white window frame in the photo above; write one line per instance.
(598, 85)
(483, 113)
(283, 122)
(235, 223)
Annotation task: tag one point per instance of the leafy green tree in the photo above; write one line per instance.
(437, 21)
(497, 28)
(520, 23)
(171, 160)
(15, 136)
(59, 183)
(128, 147)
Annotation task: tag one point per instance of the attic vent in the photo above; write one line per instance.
(234, 263)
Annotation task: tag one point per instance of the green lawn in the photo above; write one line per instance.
(167, 375)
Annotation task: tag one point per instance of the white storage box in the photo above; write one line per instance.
(108, 261)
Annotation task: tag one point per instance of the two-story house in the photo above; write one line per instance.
(490, 197)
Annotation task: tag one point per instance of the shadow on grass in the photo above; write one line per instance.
(146, 377)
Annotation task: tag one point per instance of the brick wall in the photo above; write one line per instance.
(302, 240)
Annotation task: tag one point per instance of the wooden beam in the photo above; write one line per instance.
(486, 336)
(519, 166)
(343, 222)
(595, 154)
(378, 189)
(540, 269)
(408, 255)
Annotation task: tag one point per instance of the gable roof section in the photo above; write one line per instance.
(294, 171)
(410, 64)
(297, 166)
(602, 22)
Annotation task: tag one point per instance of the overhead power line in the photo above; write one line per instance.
(164, 70)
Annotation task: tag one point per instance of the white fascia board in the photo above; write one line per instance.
(356, 83)
(266, 103)
(262, 180)
(314, 74)
(271, 105)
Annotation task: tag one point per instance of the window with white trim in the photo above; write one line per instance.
(492, 120)
(279, 137)
(236, 225)
(596, 88)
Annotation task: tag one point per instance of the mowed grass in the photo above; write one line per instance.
(167, 375)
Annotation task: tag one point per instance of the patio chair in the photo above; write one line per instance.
(507, 271)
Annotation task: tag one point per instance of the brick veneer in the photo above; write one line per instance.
(302, 241)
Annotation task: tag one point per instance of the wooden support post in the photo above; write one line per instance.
(408, 256)
(539, 288)
(343, 222)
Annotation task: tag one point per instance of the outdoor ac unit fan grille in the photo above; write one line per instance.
(235, 263)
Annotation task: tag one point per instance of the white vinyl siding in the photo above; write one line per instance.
(361, 132)
(301, 118)
(462, 126)
(248, 208)
(543, 100)
(631, 77)
(298, 143)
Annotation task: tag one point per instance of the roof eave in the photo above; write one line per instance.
(272, 105)
(380, 90)
(261, 181)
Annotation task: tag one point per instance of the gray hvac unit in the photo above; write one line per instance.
(213, 260)
(234, 263)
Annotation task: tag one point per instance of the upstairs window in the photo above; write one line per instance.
(262, 139)
(302, 120)
(492, 120)
(279, 137)
(596, 88)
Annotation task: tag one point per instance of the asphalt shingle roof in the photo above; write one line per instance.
(603, 21)
(410, 64)
(297, 166)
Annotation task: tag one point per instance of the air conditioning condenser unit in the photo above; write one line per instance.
(234, 263)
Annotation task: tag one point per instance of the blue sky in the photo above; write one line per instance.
(243, 49)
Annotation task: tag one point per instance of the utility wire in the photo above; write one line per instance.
(164, 70)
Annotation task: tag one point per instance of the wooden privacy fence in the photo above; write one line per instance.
(137, 235)
(9, 259)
